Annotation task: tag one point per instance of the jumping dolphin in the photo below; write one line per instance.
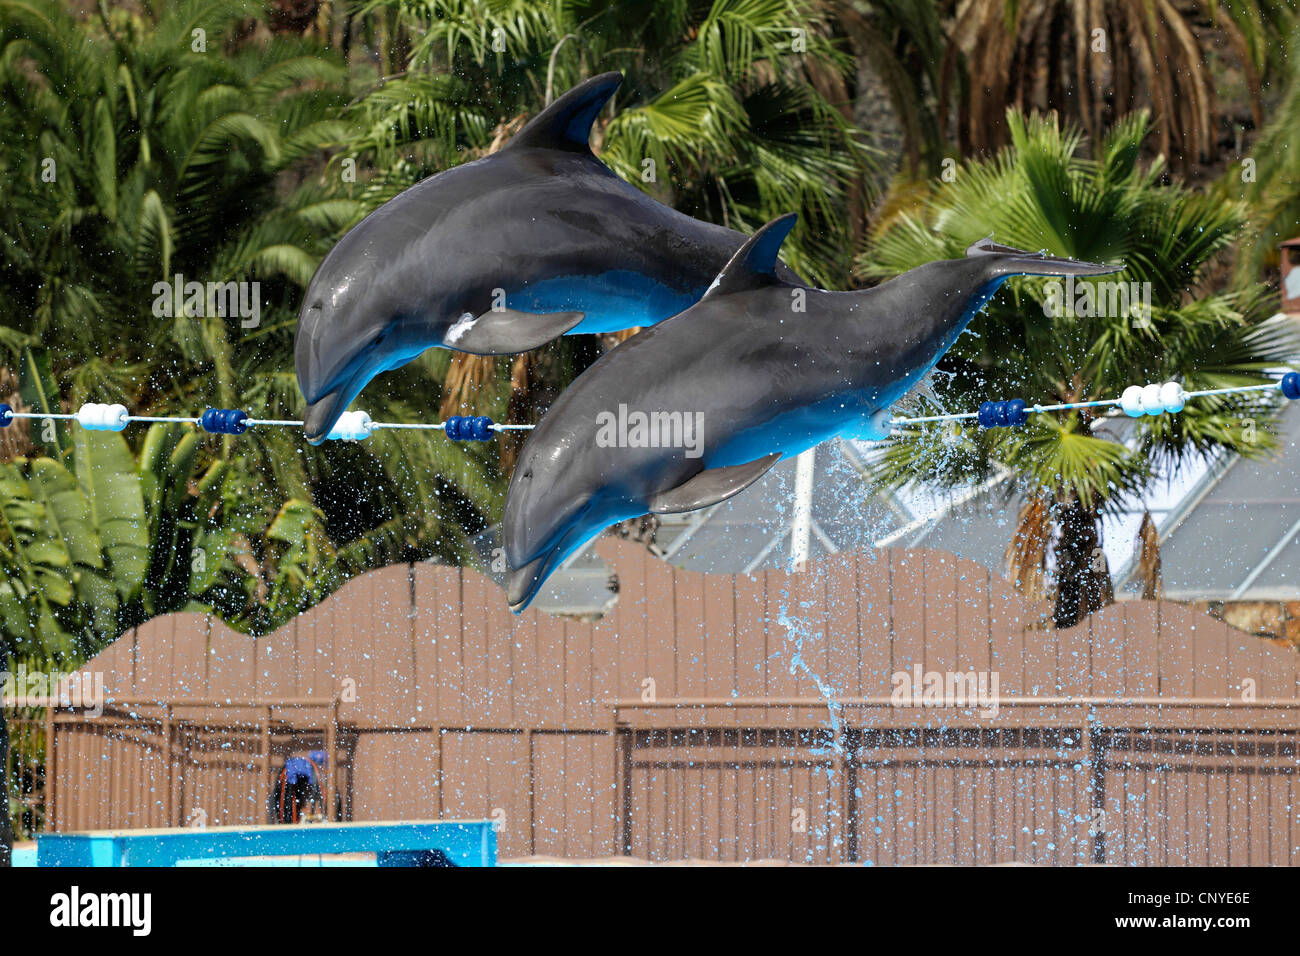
(498, 256)
(732, 385)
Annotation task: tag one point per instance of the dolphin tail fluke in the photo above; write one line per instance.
(566, 123)
(1010, 261)
(508, 331)
(711, 486)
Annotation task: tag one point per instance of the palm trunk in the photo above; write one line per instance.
(1083, 582)
(1148, 569)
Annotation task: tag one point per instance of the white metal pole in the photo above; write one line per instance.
(801, 528)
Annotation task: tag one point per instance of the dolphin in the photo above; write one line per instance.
(760, 369)
(498, 256)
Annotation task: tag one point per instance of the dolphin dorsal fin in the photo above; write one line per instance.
(754, 263)
(566, 123)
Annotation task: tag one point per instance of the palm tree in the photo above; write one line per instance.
(903, 42)
(1095, 60)
(1072, 466)
(1268, 180)
(165, 156)
(730, 111)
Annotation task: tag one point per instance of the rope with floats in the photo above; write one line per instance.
(1135, 402)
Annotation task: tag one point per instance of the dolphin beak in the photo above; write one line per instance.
(332, 369)
(523, 583)
(317, 356)
(323, 414)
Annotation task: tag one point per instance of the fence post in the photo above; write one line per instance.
(50, 766)
(1094, 742)
(6, 829)
(264, 778)
(625, 789)
(169, 803)
(330, 770)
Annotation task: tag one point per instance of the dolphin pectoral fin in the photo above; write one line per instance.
(507, 331)
(711, 486)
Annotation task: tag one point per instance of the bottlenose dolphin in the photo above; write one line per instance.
(498, 256)
(753, 377)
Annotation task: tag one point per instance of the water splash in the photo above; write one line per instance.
(797, 633)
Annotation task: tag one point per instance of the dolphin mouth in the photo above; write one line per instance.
(324, 413)
(328, 397)
(524, 583)
(332, 370)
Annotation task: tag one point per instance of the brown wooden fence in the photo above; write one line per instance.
(693, 720)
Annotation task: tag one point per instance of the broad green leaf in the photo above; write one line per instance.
(40, 393)
(107, 477)
(67, 512)
(103, 160)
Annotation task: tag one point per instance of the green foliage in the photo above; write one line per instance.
(717, 95)
(1268, 179)
(134, 153)
(1042, 193)
(74, 548)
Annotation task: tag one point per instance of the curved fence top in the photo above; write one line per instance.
(417, 645)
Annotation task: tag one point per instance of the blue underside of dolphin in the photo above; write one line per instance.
(500, 256)
(765, 367)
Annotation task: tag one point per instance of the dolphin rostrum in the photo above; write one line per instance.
(498, 256)
(694, 410)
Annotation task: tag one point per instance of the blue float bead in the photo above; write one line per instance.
(1291, 385)
(987, 416)
(1017, 413)
(1000, 415)
(481, 428)
(6, 415)
(453, 428)
(224, 421)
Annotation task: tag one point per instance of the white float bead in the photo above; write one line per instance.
(115, 417)
(98, 418)
(1131, 401)
(1172, 397)
(1151, 402)
(878, 426)
(88, 416)
(352, 426)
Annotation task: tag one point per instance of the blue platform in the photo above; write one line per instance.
(458, 842)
